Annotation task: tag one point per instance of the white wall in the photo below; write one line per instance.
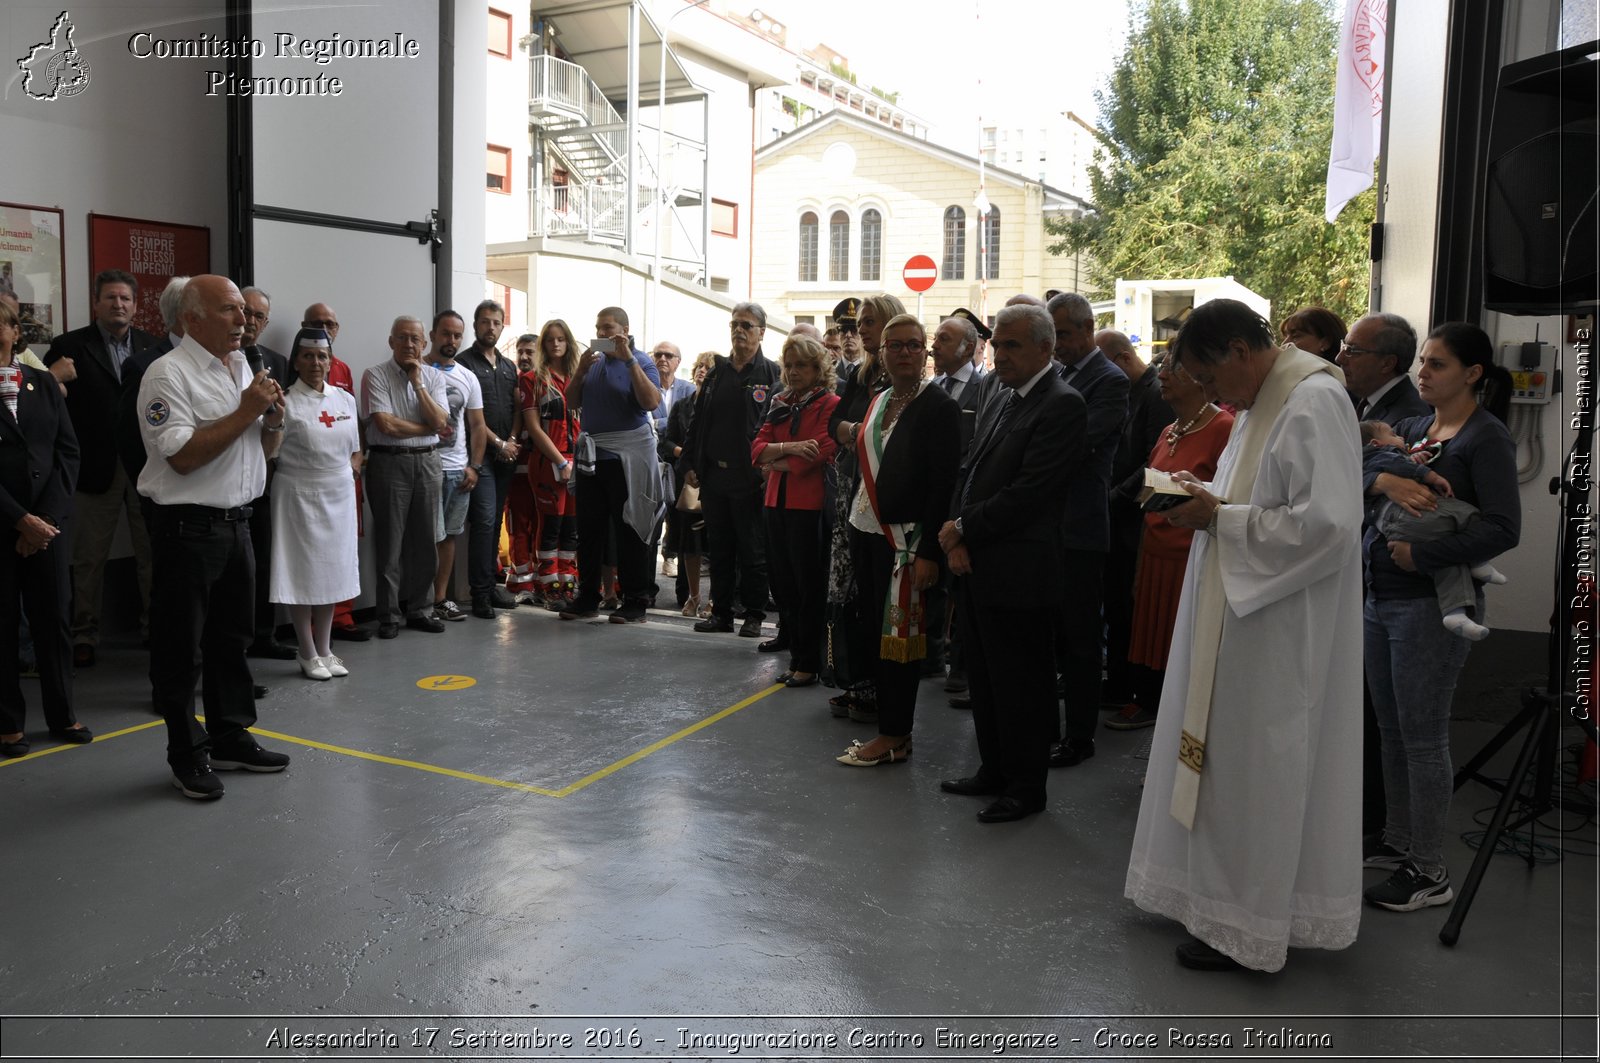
(142, 140)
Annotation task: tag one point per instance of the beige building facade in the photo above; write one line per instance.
(843, 203)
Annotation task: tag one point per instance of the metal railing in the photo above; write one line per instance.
(559, 88)
(594, 212)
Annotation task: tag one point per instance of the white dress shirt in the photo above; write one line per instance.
(185, 390)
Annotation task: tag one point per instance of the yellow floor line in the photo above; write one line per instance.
(487, 780)
(665, 742)
(73, 745)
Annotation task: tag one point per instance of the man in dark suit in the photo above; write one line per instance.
(257, 312)
(90, 361)
(1003, 544)
(1086, 527)
(953, 343)
(1376, 357)
(1148, 416)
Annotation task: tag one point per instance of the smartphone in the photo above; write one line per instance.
(600, 346)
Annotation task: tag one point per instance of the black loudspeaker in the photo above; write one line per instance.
(1540, 220)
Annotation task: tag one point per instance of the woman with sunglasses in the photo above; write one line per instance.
(793, 447)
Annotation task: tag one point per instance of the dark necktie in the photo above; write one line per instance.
(989, 437)
(1361, 409)
(949, 385)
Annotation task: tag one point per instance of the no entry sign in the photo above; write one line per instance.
(920, 273)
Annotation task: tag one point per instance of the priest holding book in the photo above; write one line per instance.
(1249, 827)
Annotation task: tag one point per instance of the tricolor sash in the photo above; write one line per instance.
(904, 608)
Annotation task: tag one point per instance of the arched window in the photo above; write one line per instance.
(871, 244)
(991, 242)
(955, 245)
(808, 246)
(839, 246)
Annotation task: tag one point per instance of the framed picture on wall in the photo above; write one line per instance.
(154, 252)
(33, 267)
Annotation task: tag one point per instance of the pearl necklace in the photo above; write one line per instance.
(1178, 431)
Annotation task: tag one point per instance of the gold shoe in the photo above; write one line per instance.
(891, 755)
(691, 605)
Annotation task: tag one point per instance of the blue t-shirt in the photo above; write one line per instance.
(608, 402)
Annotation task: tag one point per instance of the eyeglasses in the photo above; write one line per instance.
(743, 326)
(1349, 348)
(331, 326)
(904, 347)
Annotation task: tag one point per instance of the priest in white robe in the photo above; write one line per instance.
(1250, 825)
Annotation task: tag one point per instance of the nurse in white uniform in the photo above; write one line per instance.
(314, 504)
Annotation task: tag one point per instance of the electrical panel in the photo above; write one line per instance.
(1531, 373)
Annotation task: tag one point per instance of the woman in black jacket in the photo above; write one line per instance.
(908, 450)
(38, 474)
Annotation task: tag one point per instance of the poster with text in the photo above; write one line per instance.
(154, 252)
(32, 267)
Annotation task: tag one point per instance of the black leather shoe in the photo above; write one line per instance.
(351, 634)
(76, 735)
(388, 630)
(792, 681)
(777, 645)
(248, 758)
(501, 598)
(971, 786)
(257, 691)
(750, 629)
(1007, 810)
(419, 622)
(1071, 753)
(713, 623)
(482, 607)
(272, 651)
(19, 748)
(576, 610)
(1198, 956)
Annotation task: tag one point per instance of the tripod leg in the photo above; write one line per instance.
(1491, 838)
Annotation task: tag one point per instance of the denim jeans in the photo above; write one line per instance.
(1413, 663)
(483, 527)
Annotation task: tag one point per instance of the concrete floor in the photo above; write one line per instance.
(558, 849)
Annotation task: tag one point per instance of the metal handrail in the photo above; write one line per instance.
(568, 86)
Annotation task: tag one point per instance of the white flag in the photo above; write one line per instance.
(981, 201)
(1357, 102)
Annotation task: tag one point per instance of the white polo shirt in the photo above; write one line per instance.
(385, 388)
(186, 389)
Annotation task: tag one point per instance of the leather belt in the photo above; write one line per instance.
(376, 449)
(205, 512)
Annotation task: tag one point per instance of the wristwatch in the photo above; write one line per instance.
(959, 529)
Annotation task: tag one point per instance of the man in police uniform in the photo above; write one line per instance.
(844, 319)
(209, 427)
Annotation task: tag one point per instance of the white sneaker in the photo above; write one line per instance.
(335, 666)
(669, 566)
(314, 668)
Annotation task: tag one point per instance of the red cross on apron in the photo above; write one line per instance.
(326, 418)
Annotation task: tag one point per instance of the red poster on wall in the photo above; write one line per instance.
(154, 252)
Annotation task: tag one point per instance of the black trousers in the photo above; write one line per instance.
(1078, 641)
(896, 683)
(201, 621)
(484, 514)
(799, 582)
(1122, 562)
(44, 582)
(601, 499)
(1013, 685)
(736, 545)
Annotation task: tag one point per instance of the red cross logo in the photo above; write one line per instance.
(326, 418)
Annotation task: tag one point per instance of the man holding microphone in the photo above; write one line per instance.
(210, 427)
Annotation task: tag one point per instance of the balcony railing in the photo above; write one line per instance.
(596, 213)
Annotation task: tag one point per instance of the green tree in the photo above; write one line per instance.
(1215, 125)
